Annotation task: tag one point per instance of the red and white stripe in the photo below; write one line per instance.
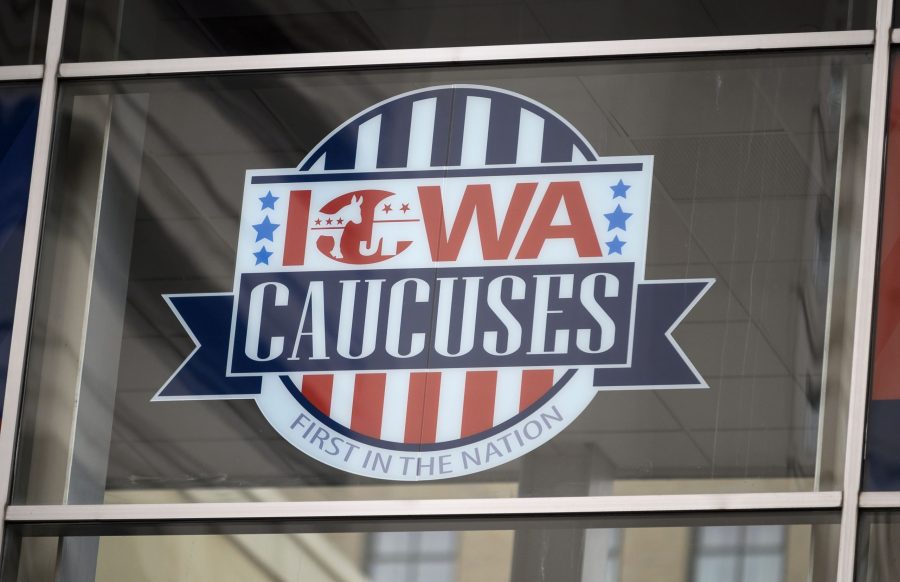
(424, 407)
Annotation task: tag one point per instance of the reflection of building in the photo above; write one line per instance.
(412, 556)
(705, 554)
(739, 553)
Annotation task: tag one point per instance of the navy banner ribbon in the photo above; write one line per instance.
(208, 319)
(656, 361)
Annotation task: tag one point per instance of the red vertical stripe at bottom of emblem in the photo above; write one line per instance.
(422, 407)
(535, 383)
(478, 404)
(368, 404)
(297, 227)
(317, 389)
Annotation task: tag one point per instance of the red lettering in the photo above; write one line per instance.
(477, 203)
(297, 224)
(580, 228)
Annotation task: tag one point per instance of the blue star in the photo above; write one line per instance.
(268, 201)
(615, 246)
(619, 189)
(262, 256)
(265, 229)
(616, 218)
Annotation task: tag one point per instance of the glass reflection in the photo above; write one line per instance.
(739, 553)
(877, 559)
(23, 31)
(758, 166)
(411, 556)
(764, 549)
(156, 29)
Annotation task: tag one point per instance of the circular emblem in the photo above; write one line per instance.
(441, 286)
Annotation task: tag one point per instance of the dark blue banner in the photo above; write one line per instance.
(402, 319)
(656, 360)
(18, 124)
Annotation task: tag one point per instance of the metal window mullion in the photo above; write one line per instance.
(512, 506)
(879, 500)
(473, 54)
(21, 72)
(30, 243)
(862, 333)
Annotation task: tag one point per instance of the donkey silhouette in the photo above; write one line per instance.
(349, 213)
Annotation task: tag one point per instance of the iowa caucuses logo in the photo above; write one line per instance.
(441, 286)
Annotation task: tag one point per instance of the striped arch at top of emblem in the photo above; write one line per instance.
(450, 126)
(368, 137)
(424, 410)
(473, 149)
(421, 133)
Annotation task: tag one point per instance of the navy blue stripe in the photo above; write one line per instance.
(393, 142)
(339, 428)
(503, 130)
(447, 140)
(340, 150)
(447, 173)
(585, 151)
(311, 162)
(558, 141)
(440, 142)
(457, 127)
(560, 127)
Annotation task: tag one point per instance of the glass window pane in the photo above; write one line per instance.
(392, 543)
(713, 568)
(765, 536)
(18, 123)
(763, 569)
(882, 459)
(437, 543)
(877, 559)
(437, 572)
(492, 551)
(388, 572)
(740, 553)
(721, 537)
(23, 31)
(154, 29)
(752, 157)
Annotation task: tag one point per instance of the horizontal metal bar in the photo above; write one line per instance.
(895, 35)
(472, 54)
(21, 72)
(174, 512)
(879, 499)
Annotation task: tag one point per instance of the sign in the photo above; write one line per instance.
(441, 286)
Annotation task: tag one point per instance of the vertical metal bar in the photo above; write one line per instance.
(823, 439)
(95, 392)
(30, 242)
(859, 373)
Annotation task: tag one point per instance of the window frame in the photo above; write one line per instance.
(848, 501)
